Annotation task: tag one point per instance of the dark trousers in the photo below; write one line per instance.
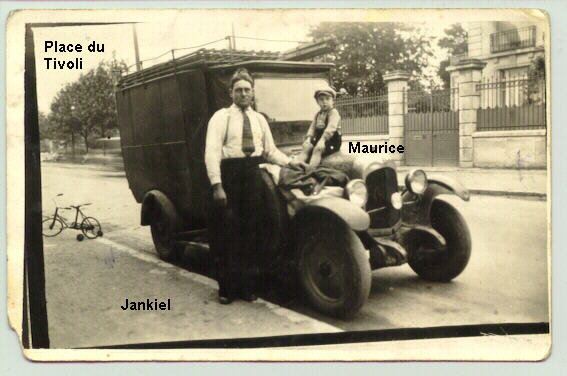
(235, 227)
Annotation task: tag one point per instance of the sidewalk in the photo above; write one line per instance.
(505, 182)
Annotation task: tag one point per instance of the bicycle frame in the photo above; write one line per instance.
(75, 224)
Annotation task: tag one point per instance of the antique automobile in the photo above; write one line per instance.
(330, 241)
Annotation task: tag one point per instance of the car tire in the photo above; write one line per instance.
(162, 236)
(333, 267)
(434, 262)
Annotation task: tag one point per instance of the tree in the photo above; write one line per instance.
(535, 88)
(86, 107)
(364, 51)
(455, 42)
(45, 127)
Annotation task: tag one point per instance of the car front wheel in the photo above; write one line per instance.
(433, 261)
(333, 267)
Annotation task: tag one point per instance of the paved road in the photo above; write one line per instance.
(87, 282)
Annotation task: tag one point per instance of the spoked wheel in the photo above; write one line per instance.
(91, 228)
(433, 261)
(51, 227)
(334, 268)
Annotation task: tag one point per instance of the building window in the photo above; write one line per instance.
(513, 39)
(513, 86)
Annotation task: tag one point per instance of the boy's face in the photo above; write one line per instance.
(325, 101)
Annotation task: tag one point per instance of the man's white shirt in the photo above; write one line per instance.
(224, 140)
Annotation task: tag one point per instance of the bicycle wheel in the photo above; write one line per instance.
(51, 227)
(90, 227)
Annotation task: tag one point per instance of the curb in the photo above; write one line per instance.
(486, 192)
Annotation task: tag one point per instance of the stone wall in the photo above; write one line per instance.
(510, 149)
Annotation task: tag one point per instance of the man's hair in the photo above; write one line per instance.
(241, 74)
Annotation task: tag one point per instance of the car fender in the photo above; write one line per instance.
(416, 211)
(155, 198)
(354, 216)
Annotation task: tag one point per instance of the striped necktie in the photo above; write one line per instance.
(247, 139)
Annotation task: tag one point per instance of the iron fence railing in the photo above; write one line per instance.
(364, 115)
(512, 39)
(512, 104)
(513, 91)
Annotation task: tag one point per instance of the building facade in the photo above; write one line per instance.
(494, 114)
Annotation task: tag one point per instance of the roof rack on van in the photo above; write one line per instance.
(206, 57)
(201, 57)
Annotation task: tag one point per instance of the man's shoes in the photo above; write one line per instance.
(223, 299)
(225, 296)
(248, 296)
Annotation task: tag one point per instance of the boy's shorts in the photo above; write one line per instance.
(331, 146)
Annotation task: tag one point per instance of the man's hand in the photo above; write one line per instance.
(219, 195)
(297, 165)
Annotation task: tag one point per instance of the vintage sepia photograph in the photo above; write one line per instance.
(298, 183)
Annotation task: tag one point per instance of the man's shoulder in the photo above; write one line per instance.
(223, 111)
(220, 114)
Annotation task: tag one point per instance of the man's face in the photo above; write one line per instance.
(242, 93)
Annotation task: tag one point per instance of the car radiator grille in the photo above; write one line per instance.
(381, 185)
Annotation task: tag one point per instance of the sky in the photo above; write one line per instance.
(180, 29)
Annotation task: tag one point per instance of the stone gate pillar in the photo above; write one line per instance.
(397, 82)
(469, 74)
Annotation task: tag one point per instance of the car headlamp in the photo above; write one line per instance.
(396, 200)
(416, 181)
(356, 192)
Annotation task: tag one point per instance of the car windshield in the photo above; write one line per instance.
(287, 99)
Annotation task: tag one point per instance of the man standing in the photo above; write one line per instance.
(238, 140)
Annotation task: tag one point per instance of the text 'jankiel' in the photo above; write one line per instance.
(73, 63)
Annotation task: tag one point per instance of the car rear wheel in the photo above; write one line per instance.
(433, 261)
(162, 235)
(333, 267)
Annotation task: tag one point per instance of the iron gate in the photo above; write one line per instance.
(431, 124)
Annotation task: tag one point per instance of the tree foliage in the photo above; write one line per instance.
(45, 126)
(86, 108)
(364, 52)
(455, 40)
(455, 43)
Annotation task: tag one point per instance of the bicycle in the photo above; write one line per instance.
(53, 226)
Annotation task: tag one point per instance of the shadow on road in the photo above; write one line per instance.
(274, 288)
